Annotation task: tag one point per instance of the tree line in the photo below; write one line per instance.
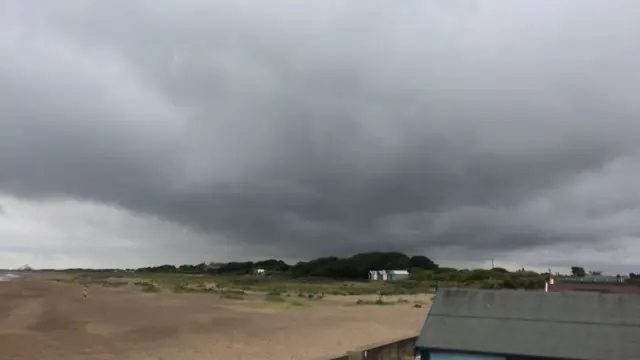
(354, 267)
(357, 267)
(421, 268)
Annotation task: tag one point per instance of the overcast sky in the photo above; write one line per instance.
(161, 131)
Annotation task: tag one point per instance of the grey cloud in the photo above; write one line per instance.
(333, 128)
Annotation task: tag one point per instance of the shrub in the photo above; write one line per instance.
(235, 291)
(231, 296)
(114, 283)
(374, 302)
(149, 288)
(273, 297)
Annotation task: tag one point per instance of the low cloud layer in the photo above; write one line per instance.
(463, 130)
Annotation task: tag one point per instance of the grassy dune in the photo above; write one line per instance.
(311, 289)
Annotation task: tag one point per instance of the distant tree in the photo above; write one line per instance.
(509, 284)
(354, 267)
(578, 271)
(419, 274)
(272, 265)
(477, 275)
(443, 270)
(237, 268)
(422, 262)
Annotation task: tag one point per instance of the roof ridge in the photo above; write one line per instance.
(538, 320)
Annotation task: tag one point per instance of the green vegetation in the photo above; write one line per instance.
(355, 267)
(578, 271)
(186, 287)
(116, 283)
(235, 291)
(274, 297)
(311, 280)
(148, 287)
(231, 296)
(379, 301)
(277, 300)
(283, 286)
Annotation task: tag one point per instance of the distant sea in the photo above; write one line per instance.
(6, 276)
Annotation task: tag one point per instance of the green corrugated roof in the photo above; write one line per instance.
(568, 325)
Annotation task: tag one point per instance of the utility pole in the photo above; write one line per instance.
(492, 263)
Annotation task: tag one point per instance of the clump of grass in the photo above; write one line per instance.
(235, 291)
(107, 283)
(374, 302)
(181, 288)
(149, 288)
(403, 301)
(364, 302)
(65, 281)
(231, 296)
(382, 302)
(200, 288)
(274, 297)
(417, 305)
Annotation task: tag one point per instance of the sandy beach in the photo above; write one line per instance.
(44, 319)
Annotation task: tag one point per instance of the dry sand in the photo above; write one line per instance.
(40, 319)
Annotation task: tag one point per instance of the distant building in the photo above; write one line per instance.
(373, 275)
(594, 283)
(593, 278)
(528, 325)
(398, 275)
(385, 275)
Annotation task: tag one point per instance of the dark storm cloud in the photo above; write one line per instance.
(333, 128)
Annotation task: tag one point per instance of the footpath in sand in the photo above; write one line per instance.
(41, 319)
